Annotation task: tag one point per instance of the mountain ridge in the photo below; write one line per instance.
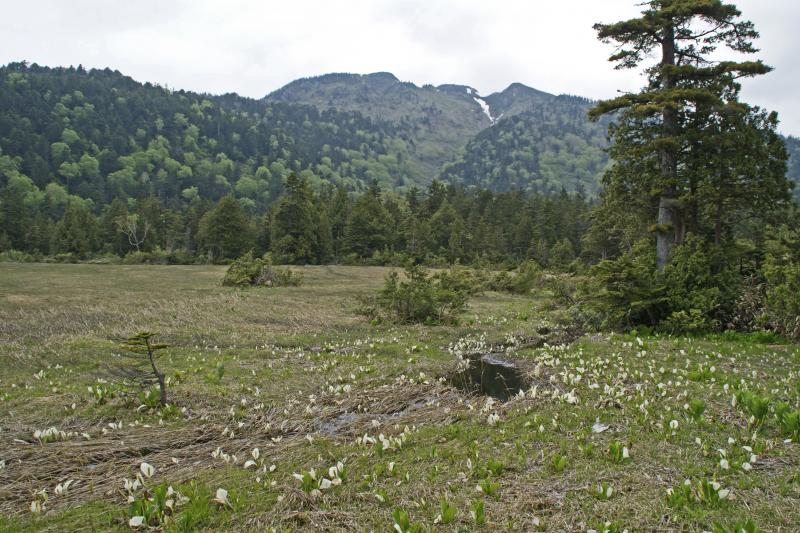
(438, 121)
(344, 129)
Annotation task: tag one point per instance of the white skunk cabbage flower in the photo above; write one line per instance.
(222, 498)
(147, 469)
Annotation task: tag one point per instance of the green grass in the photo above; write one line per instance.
(306, 378)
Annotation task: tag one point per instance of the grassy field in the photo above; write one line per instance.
(609, 431)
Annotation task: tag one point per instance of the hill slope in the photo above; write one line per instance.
(436, 121)
(519, 137)
(544, 148)
(100, 134)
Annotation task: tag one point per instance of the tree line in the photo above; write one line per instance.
(305, 225)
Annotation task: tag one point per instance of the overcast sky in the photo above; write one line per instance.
(253, 47)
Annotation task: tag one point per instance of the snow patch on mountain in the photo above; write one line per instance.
(481, 102)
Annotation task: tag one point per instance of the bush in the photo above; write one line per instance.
(782, 312)
(625, 291)
(421, 298)
(161, 257)
(701, 283)
(521, 281)
(749, 307)
(696, 291)
(248, 270)
(462, 280)
(15, 256)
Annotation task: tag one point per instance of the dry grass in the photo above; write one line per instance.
(305, 377)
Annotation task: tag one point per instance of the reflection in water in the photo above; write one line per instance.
(491, 376)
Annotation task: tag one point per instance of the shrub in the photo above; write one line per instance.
(625, 291)
(782, 310)
(421, 298)
(521, 281)
(142, 350)
(749, 306)
(248, 270)
(701, 284)
(696, 291)
(15, 256)
(463, 280)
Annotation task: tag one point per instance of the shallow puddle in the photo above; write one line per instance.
(491, 375)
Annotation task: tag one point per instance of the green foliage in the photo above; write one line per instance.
(696, 409)
(558, 463)
(224, 231)
(755, 405)
(701, 285)
(248, 270)
(478, 512)
(789, 422)
(488, 487)
(403, 524)
(310, 186)
(152, 505)
(196, 511)
(521, 281)
(618, 452)
(746, 526)
(462, 280)
(695, 292)
(447, 512)
(546, 147)
(782, 272)
(625, 290)
(149, 398)
(420, 298)
(142, 349)
(690, 163)
(293, 223)
(368, 228)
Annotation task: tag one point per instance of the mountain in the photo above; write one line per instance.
(99, 134)
(543, 146)
(519, 137)
(436, 121)
(517, 98)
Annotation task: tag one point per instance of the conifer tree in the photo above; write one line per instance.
(685, 33)
(224, 231)
(368, 228)
(293, 233)
(76, 232)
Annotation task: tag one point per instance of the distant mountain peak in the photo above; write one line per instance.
(387, 76)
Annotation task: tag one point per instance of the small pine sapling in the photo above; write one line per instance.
(142, 349)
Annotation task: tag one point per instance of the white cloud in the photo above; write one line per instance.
(254, 46)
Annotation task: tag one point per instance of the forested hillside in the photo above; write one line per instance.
(543, 149)
(517, 138)
(83, 154)
(437, 121)
(793, 147)
(101, 135)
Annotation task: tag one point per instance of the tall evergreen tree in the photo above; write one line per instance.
(293, 232)
(76, 232)
(368, 228)
(685, 33)
(224, 232)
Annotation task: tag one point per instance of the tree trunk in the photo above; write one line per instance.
(162, 386)
(665, 233)
(669, 224)
(718, 222)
